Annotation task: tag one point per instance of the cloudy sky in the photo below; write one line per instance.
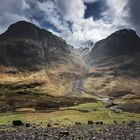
(76, 21)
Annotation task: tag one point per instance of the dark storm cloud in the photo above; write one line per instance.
(134, 11)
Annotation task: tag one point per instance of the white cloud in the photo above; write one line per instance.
(52, 15)
(12, 6)
(89, 29)
(10, 12)
(117, 12)
(72, 10)
(62, 12)
(9, 19)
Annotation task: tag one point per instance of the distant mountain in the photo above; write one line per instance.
(26, 45)
(87, 44)
(84, 49)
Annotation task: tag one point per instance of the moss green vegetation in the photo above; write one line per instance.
(88, 106)
(68, 116)
(6, 118)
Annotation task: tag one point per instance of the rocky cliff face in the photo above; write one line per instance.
(24, 45)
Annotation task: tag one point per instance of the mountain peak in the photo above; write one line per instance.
(122, 42)
(22, 23)
(23, 29)
(26, 45)
(124, 33)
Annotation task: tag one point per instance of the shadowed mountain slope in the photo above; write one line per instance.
(26, 45)
(33, 60)
(122, 42)
(114, 65)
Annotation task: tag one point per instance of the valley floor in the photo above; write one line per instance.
(65, 116)
(77, 101)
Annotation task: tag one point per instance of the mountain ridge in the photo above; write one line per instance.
(34, 62)
(38, 45)
(114, 65)
(33, 56)
(122, 42)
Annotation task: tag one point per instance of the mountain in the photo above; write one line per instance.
(114, 65)
(25, 45)
(84, 49)
(121, 51)
(33, 60)
(122, 42)
(87, 44)
(38, 66)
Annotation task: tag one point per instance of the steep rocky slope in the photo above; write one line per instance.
(114, 65)
(26, 45)
(121, 43)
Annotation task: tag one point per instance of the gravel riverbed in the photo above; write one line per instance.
(122, 131)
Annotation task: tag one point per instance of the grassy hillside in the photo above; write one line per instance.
(37, 86)
(96, 111)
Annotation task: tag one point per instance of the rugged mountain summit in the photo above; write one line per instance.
(120, 51)
(33, 60)
(122, 42)
(26, 45)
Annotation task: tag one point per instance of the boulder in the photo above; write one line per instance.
(64, 133)
(27, 124)
(77, 123)
(131, 122)
(17, 123)
(48, 125)
(90, 122)
(100, 122)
